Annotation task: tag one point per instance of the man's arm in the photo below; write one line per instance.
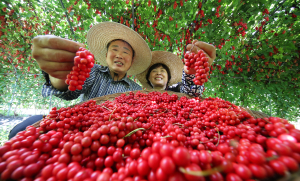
(55, 56)
(59, 84)
(49, 89)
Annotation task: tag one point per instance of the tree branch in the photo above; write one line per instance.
(62, 4)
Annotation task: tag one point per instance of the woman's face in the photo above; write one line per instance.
(158, 77)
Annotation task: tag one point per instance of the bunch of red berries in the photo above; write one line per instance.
(199, 62)
(83, 62)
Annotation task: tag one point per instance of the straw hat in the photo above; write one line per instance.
(169, 59)
(101, 34)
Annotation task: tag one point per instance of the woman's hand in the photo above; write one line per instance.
(55, 55)
(208, 49)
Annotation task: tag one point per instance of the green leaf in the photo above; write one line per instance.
(98, 19)
(182, 15)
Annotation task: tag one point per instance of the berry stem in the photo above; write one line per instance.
(132, 132)
(180, 125)
(266, 120)
(168, 136)
(272, 158)
(111, 114)
(203, 173)
(150, 127)
(136, 119)
(105, 108)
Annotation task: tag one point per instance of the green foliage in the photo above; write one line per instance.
(257, 62)
(4, 132)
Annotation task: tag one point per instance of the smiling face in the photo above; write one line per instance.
(158, 77)
(119, 57)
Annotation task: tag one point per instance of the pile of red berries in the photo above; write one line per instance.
(199, 62)
(153, 136)
(83, 62)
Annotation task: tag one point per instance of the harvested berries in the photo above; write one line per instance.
(199, 62)
(83, 62)
(154, 136)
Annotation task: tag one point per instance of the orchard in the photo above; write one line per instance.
(257, 42)
(144, 135)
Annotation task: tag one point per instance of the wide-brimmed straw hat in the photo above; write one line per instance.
(101, 34)
(169, 59)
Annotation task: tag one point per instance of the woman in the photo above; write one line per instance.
(167, 72)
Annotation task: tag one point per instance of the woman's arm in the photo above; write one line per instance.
(188, 86)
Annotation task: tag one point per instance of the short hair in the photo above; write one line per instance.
(122, 41)
(155, 66)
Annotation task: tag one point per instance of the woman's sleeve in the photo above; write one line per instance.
(189, 87)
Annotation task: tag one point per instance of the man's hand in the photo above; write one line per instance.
(55, 56)
(208, 49)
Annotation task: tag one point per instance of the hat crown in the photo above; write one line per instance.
(169, 59)
(103, 33)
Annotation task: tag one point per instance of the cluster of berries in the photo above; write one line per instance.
(83, 62)
(199, 62)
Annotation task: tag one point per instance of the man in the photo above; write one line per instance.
(120, 51)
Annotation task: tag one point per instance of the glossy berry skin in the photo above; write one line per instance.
(154, 136)
(83, 62)
(199, 62)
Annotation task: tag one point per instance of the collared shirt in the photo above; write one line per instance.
(99, 83)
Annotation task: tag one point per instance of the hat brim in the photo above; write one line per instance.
(173, 62)
(101, 34)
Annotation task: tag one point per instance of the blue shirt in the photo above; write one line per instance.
(100, 83)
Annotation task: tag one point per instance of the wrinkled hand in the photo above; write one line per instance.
(55, 55)
(208, 49)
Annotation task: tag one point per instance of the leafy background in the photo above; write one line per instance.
(257, 44)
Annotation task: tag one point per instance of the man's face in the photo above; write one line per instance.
(119, 57)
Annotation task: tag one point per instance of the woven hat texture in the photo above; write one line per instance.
(172, 61)
(102, 33)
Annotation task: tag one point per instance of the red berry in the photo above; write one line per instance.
(196, 61)
(83, 62)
